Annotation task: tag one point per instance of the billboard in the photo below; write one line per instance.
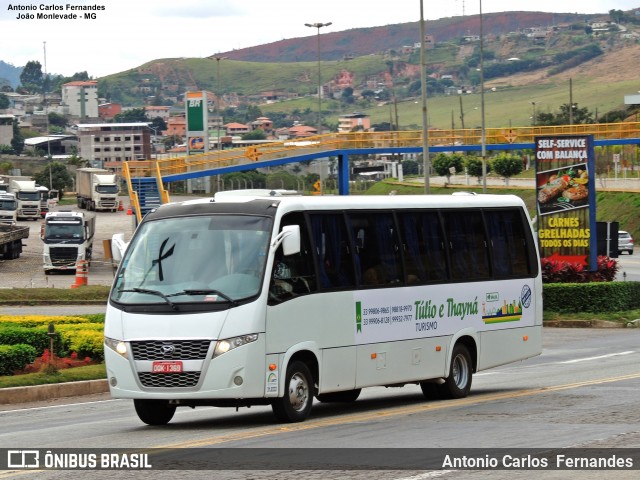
(197, 118)
(566, 201)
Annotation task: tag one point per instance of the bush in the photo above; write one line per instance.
(591, 297)
(37, 337)
(557, 271)
(86, 339)
(15, 357)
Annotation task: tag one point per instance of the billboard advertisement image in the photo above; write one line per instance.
(565, 198)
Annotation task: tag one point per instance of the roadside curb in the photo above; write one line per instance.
(38, 393)
(583, 324)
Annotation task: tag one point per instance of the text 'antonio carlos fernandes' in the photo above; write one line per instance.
(542, 462)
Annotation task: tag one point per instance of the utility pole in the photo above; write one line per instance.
(423, 84)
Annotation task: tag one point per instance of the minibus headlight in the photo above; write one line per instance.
(223, 346)
(117, 346)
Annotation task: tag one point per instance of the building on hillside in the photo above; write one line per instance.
(54, 145)
(80, 99)
(234, 128)
(176, 125)
(107, 145)
(263, 123)
(354, 122)
(20, 104)
(6, 129)
(301, 131)
(155, 111)
(107, 111)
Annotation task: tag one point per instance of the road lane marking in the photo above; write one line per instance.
(389, 413)
(587, 359)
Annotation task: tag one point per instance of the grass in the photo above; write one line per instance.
(90, 372)
(90, 294)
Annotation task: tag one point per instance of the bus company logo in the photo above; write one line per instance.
(23, 459)
(358, 317)
(525, 296)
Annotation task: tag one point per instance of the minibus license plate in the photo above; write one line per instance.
(167, 367)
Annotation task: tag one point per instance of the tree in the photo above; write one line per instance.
(443, 163)
(60, 176)
(17, 142)
(31, 77)
(159, 125)
(474, 167)
(171, 141)
(579, 116)
(57, 119)
(257, 134)
(4, 101)
(132, 115)
(507, 165)
(410, 167)
(347, 95)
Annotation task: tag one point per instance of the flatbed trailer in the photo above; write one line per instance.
(11, 237)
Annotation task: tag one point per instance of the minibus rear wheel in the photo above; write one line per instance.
(154, 412)
(458, 383)
(295, 404)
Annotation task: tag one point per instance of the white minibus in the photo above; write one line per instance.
(276, 300)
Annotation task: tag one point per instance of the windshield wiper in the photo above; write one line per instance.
(151, 292)
(205, 292)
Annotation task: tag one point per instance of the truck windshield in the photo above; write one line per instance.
(63, 232)
(213, 258)
(8, 205)
(107, 188)
(28, 195)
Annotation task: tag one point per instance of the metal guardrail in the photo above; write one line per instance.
(363, 140)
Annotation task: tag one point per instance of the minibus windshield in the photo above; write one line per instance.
(198, 259)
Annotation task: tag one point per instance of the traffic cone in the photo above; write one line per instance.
(129, 211)
(120, 207)
(82, 274)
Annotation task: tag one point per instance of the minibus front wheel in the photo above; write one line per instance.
(154, 412)
(295, 404)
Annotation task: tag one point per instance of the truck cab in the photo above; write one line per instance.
(68, 238)
(8, 208)
(28, 198)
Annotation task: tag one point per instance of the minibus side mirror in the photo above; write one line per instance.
(290, 239)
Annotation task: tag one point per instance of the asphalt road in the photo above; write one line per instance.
(580, 393)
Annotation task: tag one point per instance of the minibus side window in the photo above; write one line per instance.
(507, 237)
(424, 247)
(331, 247)
(377, 248)
(467, 244)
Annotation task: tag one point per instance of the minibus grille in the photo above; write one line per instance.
(169, 380)
(170, 349)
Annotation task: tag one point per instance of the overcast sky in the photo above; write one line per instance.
(128, 33)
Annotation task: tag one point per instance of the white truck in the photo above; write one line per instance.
(67, 238)
(44, 199)
(28, 197)
(96, 189)
(8, 208)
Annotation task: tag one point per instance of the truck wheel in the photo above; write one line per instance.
(154, 412)
(295, 404)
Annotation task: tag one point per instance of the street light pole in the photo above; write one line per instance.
(319, 26)
(218, 90)
(483, 130)
(423, 88)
